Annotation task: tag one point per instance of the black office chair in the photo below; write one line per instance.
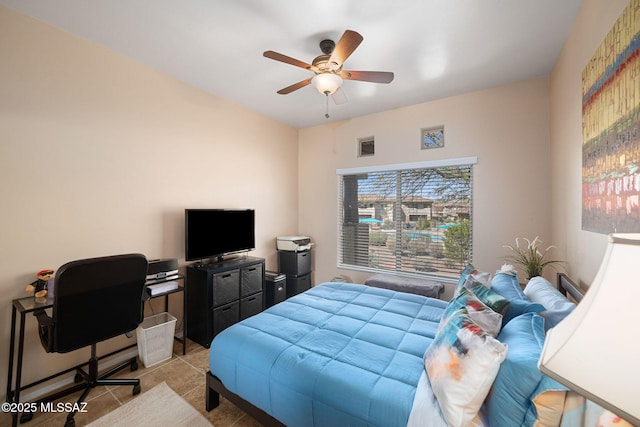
(94, 300)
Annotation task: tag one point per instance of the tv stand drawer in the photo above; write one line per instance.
(250, 305)
(225, 316)
(226, 287)
(252, 279)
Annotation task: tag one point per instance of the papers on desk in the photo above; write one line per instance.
(161, 288)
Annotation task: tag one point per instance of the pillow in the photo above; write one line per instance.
(549, 408)
(479, 312)
(465, 273)
(471, 271)
(462, 362)
(508, 286)
(556, 305)
(579, 411)
(495, 301)
(519, 307)
(519, 381)
(518, 377)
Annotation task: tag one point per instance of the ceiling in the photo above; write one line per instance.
(436, 48)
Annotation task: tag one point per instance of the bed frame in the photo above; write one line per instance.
(568, 288)
(215, 388)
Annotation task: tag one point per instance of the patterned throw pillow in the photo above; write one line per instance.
(469, 269)
(462, 363)
(478, 276)
(482, 314)
(494, 300)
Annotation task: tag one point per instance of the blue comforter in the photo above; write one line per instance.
(337, 354)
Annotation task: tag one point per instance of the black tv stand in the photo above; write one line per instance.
(222, 293)
(218, 259)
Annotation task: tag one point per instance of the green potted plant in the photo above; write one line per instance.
(530, 258)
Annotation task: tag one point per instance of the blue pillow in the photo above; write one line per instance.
(519, 380)
(519, 307)
(507, 285)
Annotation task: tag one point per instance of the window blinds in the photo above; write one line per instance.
(413, 218)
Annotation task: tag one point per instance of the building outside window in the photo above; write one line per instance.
(410, 218)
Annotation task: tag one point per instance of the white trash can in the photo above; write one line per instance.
(155, 338)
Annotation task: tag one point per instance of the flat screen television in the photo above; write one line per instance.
(213, 233)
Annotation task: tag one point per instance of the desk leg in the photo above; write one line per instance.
(20, 357)
(184, 318)
(16, 394)
(12, 348)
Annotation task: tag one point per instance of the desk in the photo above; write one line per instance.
(28, 305)
(178, 278)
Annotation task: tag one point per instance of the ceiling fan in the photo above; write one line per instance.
(327, 68)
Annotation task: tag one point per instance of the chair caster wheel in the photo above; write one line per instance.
(70, 423)
(136, 389)
(26, 416)
(134, 366)
(77, 378)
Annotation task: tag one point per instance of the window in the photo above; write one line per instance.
(413, 218)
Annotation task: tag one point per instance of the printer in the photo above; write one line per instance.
(293, 243)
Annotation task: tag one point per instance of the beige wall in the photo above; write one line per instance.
(583, 250)
(101, 155)
(507, 128)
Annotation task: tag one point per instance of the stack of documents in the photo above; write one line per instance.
(161, 288)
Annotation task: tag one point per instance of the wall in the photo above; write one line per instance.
(583, 250)
(101, 155)
(507, 128)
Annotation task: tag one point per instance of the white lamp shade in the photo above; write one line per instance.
(595, 351)
(326, 83)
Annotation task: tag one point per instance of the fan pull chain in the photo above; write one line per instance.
(326, 97)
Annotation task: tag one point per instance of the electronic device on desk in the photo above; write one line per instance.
(161, 288)
(293, 243)
(162, 269)
(216, 233)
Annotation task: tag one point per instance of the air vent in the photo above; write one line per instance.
(366, 146)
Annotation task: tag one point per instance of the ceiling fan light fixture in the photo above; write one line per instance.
(326, 83)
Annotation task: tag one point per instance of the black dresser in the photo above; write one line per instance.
(297, 267)
(222, 293)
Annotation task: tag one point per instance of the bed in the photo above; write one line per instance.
(350, 354)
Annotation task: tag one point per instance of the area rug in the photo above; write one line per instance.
(160, 406)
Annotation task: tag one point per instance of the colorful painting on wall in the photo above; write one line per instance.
(611, 130)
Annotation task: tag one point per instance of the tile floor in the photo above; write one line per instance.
(184, 374)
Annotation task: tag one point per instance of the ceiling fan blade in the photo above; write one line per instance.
(295, 86)
(368, 76)
(339, 97)
(349, 41)
(286, 59)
